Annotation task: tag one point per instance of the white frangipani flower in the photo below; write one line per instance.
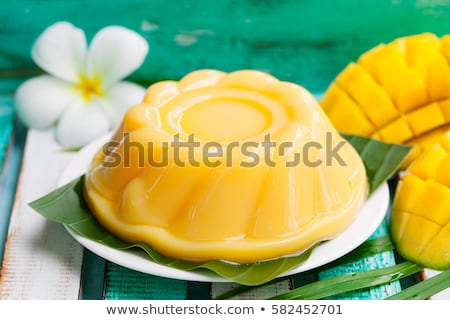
(82, 94)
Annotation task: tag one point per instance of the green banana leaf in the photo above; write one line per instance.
(381, 160)
(67, 206)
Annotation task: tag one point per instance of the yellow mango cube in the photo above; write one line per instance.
(444, 140)
(443, 172)
(389, 68)
(445, 47)
(419, 50)
(397, 131)
(425, 118)
(445, 108)
(428, 140)
(438, 79)
(433, 203)
(366, 59)
(371, 97)
(408, 191)
(345, 113)
(411, 232)
(426, 166)
(437, 252)
(412, 155)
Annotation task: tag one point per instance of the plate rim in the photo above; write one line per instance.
(133, 259)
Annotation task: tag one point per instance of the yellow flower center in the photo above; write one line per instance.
(90, 87)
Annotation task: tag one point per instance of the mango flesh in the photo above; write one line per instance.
(420, 221)
(209, 208)
(399, 92)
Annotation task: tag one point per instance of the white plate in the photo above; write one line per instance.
(367, 221)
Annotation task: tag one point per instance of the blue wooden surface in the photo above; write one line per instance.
(9, 164)
(128, 284)
(6, 124)
(381, 260)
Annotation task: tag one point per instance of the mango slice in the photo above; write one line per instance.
(420, 220)
(400, 93)
(401, 90)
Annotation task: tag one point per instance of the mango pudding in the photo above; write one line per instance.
(239, 167)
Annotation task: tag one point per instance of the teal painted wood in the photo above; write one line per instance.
(198, 290)
(126, 284)
(11, 164)
(381, 260)
(92, 276)
(306, 41)
(6, 119)
(5, 133)
(6, 125)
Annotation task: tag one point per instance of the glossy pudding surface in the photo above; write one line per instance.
(239, 167)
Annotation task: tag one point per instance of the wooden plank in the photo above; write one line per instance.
(6, 124)
(307, 41)
(92, 276)
(381, 260)
(8, 171)
(41, 260)
(123, 283)
(258, 293)
(8, 182)
(198, 290)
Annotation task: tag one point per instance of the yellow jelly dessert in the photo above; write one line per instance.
(239, 167)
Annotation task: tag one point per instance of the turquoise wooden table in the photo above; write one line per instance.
(306, 42)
